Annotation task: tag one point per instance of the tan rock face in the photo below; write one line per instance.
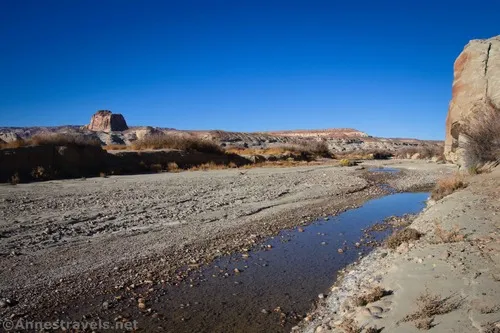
(476, 80)
(106, 121)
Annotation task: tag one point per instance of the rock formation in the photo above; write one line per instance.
(106, 121)
(476, 82)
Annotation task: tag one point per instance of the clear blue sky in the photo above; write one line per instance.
(384, 67)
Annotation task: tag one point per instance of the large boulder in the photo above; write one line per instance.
(476, 82)
(106, 121)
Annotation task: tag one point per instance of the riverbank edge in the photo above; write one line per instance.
(429, 266)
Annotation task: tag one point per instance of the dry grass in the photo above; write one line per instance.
(349, 325)
(169, 141)
(491, 328)
(424, 324)
(40, 173)
(482, 134)
(424, 152)
(371, 154)
(306, 148)
(156, 168)
(373, 330)
(451, 236)
(53, 139)
(14, 180)
(372, 296)
(173, 167)
(116, 147)
(208, 166)
(430, 305)
(401, 236)
(447, 186)
(346, 162)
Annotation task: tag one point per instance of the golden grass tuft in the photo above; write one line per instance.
(447, 186)
(346, 162)
(451, 236)
(430, 305)
(169, 141)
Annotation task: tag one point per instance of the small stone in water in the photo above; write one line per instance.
(340, 251)
(323, 243)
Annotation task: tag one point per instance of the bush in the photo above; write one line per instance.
(14, 180)
(422, 151)
(169, 141)
(447, 186)
(401, 236)
(172, 167)
(482, 136)
(345, 162)
(56, 139)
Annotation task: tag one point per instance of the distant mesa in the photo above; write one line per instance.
(107, 121)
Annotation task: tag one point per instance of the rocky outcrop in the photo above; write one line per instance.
(476, 82)
(106, 121)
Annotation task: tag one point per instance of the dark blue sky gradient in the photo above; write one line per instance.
(384, 67)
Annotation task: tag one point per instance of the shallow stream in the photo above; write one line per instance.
(272, 286)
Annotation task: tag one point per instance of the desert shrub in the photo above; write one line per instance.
(380, 154)
(451, 236)
(372, 296)
(317, 148)
(401, 236)
(169, 141)
(61, 139)
(14, 180)
(447, 186)
(172, 167)
(424, 152)
(40, 173)
(430, 305)
(345, 162)
(482, 136)
(155, 167)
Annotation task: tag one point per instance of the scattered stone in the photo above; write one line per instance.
(105, 305)
(321, 296)
(340, 251)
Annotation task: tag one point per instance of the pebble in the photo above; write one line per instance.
(340, 251)
(321, 296)
(105, 305)
(376, 310)
(3, 303)
(323, 243)
(264, 311)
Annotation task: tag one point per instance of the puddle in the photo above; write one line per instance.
(278, 282)
(382, 169)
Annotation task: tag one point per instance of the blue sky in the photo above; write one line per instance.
(384, 67)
